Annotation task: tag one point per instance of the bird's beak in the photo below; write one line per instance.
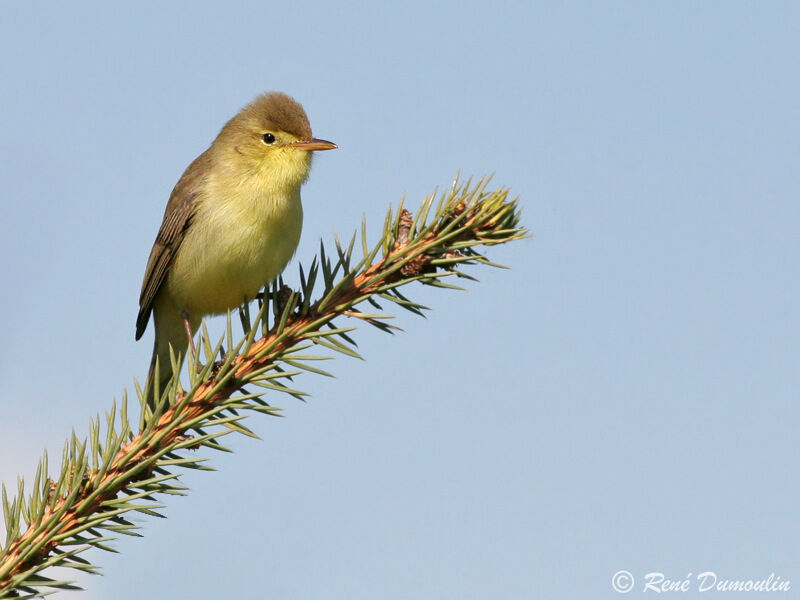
(313, 144)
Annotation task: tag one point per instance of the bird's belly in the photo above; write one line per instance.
(230, 252)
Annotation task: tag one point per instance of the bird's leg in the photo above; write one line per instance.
(188, 327)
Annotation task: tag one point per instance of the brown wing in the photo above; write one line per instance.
(177, 217)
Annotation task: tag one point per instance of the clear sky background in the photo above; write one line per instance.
(625, 397)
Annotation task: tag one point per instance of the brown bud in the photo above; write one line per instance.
(403, 229)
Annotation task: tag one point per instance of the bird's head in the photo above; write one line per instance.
(270, 139)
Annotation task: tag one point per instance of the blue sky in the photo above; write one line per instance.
(624, 397)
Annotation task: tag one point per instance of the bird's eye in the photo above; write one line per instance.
(268, 138)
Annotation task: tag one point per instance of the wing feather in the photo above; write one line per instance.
(177, 218)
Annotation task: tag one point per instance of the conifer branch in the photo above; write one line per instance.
(119, 468)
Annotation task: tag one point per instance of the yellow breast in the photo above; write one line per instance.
(240, 238)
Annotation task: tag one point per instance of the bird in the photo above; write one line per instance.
(231, 225)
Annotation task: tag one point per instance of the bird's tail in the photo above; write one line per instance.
(170, 334)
